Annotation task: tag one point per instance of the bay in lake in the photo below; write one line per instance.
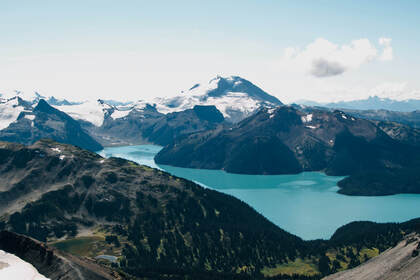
(305, 204)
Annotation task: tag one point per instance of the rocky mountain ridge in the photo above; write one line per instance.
(285, 140)
(26, 123)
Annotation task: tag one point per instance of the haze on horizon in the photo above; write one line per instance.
(314, 50)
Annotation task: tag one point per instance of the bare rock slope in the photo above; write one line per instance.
(399, 262)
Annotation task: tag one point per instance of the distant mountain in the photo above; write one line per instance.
(371, 103)
(136, 123)
(234, 96)
(24, 122)
(411, 118)
(60, 102)
(408, 118)
(160, 121)
(285, 140)
(147, 125)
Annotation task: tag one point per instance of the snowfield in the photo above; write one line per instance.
(91, 111)
(9, 111)
(12, 267)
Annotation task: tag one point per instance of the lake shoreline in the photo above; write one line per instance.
(305, 204)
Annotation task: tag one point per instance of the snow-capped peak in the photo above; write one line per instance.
(220, 86)
(234, 96)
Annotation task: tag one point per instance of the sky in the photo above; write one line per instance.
(317, 50)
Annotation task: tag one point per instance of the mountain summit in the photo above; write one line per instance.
(234, 96)
(220, 86)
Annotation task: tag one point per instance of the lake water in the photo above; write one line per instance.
(305, 204)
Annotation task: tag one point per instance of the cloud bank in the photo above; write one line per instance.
(323, 58)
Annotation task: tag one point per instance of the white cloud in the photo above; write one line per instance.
(387, 53)
(323, 58)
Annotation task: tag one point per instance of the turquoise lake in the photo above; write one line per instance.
(305, 204)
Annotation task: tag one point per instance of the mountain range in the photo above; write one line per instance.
(235, 97)
(91, 124)
(159, 121)
(285, 140)
(231, 124)
(26, 122)
(150, 126)
(370, 103)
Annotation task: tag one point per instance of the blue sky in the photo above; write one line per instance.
(142, 49)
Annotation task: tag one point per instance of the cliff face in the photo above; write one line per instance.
(400, 262)
(52, 263)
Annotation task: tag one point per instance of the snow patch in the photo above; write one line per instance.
(9, 111)
(90, 111)
(118, 114)
(271, 110)
(17, 268)
(30, 117)
(123, 111)
(56, 150)
(62, 157)
(307, 118)
(311, 126)
(344, 116)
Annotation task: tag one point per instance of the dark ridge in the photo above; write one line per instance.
(381, 159)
